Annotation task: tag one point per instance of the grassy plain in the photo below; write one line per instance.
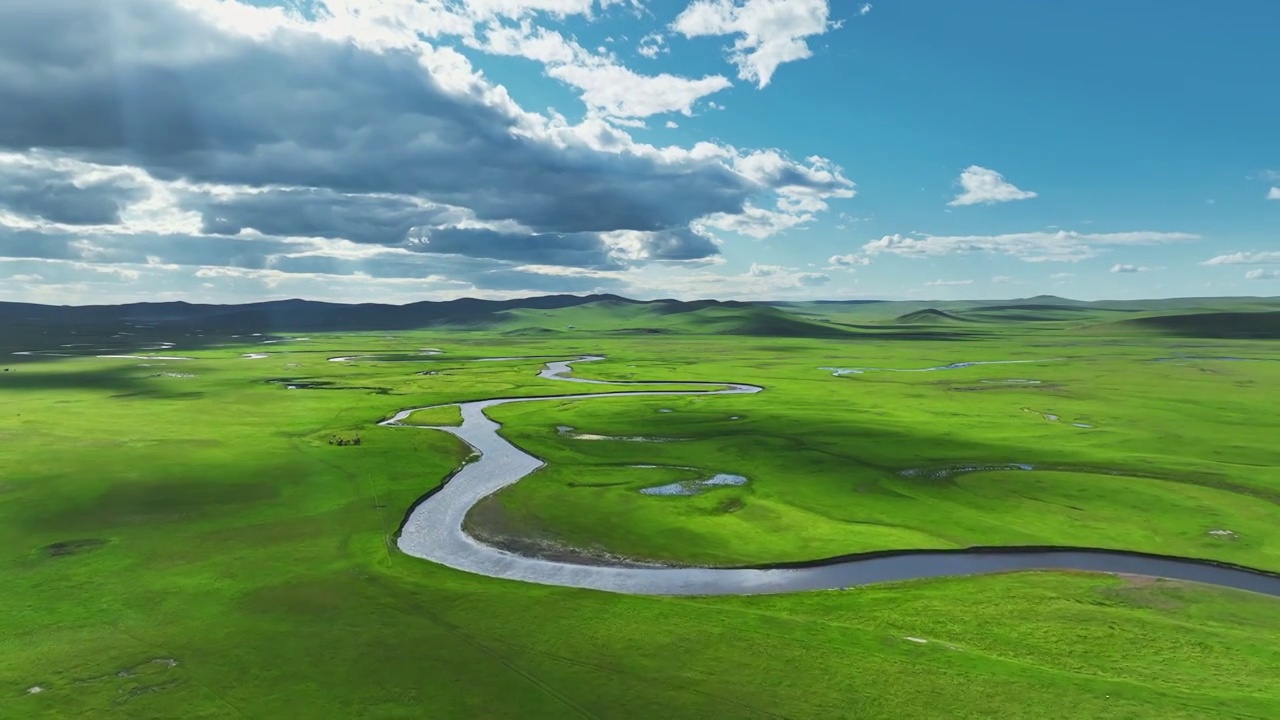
(443, 416)
(192, 546)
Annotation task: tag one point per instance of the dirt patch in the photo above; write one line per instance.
(730, 505)
(1146, 592)
(569, 432)
(72, 547)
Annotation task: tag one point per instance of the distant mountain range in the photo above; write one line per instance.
(1211, 317)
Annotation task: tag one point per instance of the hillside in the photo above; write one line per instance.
(930, 316)
(1222, 325)
(705, 317)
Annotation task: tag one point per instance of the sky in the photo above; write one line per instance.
(403, 150)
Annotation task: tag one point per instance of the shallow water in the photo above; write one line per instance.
(696, 487)
(145, 357)
(840, 372)
(568, 432)
(433, 531)
(386, 357)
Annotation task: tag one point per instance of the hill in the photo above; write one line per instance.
(929, 316)
(1237, 325)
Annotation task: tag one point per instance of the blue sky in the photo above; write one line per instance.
(399, 150)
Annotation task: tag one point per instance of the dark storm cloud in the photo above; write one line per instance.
(393, 267)
(585, 250)
(142, 248)
(399, 221)
(145, 82)
(679, 244)
(482, 273)
(50, 194)
(163, 251)
(315, 213)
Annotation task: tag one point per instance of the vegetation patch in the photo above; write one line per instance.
(442, 416)
(72, 547)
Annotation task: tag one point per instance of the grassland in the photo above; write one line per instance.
(200, 534)
(444, 416)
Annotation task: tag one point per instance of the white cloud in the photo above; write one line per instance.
(983, 186)
(1245, 258)
(1261, 274)
(784, 277)
(848, 262)
(803, 189)
(755, 222)
(1127, 268)
(1061, 246)
(616, 91)
(653, 45)
(948, 283)
(1274, 194)
(1061, 276)
(607, 87)
(865, 8)
(672, 125)
(771, 32)
(1004, 280)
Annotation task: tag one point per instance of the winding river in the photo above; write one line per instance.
(434, 531)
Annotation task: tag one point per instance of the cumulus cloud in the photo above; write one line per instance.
(784, 277)
(319, 212)
(1127, 268)
(1261, 274)
(769, 32)
(1245, 258)
(1274, 194)
(201, 136)
(320, 113)
(607, 87)
(982, 186)
(1061, 246)
(848, 261)
(58, 195)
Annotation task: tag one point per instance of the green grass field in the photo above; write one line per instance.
(179, 538)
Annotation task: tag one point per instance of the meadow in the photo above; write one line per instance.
(180, 538)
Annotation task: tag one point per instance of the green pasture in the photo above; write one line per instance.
(179, 538)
